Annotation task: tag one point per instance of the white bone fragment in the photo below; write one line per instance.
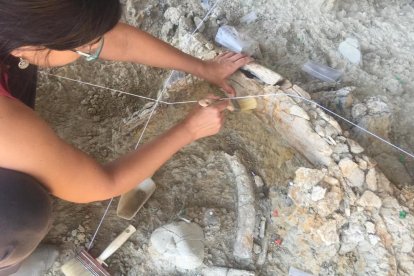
(262, 73)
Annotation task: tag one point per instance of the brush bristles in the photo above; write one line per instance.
(75, 268)
(84, 265)
(244, 104)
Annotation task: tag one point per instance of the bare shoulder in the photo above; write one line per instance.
(29, 145)
(22, 132)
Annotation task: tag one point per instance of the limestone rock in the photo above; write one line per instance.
(307, 178)
(351, 237)
(371, 180)
(181, 244)
(369, 199)
(199, 23)
(320, 130)
(330, 203)
(328, 233)
(359, 110)
(259, 182)
(370, 227)
(355, 147)
(352, 172)
(318, 193)
(341, 148)
(173, 15)
(224, 271)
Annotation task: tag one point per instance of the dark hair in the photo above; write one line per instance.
(53, 24)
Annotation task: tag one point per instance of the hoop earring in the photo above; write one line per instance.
(23, 63)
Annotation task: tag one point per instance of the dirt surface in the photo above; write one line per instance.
(197, 180)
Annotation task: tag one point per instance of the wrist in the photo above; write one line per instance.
(184, 132)
(201, 68)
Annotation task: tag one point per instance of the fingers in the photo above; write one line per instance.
(212, 97)
(243, 61)
(229, 89)
(236, 57)
(221, 105)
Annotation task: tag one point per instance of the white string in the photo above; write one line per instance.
(247, 97)
(99, 86)
(99, 225)
(157, 102)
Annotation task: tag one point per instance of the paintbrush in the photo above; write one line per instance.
(236, 104)
(86, 265)
(130, 203)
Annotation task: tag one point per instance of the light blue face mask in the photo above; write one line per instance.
(92, 56)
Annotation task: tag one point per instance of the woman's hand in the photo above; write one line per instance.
(205, 121)
(219, 69)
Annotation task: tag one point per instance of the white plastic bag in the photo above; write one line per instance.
(230, 38)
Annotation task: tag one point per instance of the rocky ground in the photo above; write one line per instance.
(283, 187)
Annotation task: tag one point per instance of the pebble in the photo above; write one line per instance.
(81, 237)
(331, 131)
(320, 130)
(369, 199)
(371, 180)
(258, 181)
(318, 193)
(359, 110)
(173, 14)
(370, 227)
(331, 180)
(363, 165)
(199, 22)
(355, 147)
(352, 172)
(341, 148)
(313, 114)
(336, 157)
(257, 249)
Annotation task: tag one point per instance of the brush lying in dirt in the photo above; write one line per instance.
(85, 265)
(131, 202)
(235, 104)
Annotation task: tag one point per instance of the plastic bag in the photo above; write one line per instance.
(322, 72)
(228, 37)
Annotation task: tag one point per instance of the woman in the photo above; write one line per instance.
(33, 160)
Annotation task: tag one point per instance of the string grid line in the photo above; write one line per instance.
(257, 96)
(157, 101)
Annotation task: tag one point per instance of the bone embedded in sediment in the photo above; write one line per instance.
(246, 213)
(262, 73)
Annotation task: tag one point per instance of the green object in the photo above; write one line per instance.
(403, 214)
(402, 159)
(399, 79)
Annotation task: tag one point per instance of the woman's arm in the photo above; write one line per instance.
(30, 146)
(127, 43)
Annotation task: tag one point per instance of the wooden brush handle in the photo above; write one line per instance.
(116, 244)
